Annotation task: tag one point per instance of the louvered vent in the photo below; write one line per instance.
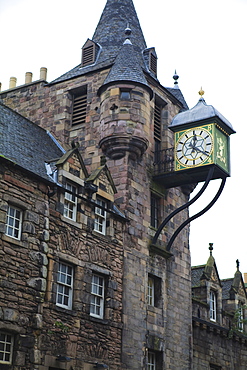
(79, 109)
(157, 122)
(153, 63)
(88, 55)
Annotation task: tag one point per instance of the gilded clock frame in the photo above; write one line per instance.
(208, 160)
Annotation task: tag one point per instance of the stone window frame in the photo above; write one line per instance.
(213, 305)
(7, 343)
(67, 288)
(15, 219)
(97, 295)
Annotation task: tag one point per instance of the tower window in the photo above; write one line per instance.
(155, 204)
(157, 121)
(155, 360)
(79, 107)
(125, 94)
(151, 361)
(154, 291)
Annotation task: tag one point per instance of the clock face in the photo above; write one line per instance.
(194, 147)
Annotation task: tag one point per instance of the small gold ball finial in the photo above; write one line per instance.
(201, 92)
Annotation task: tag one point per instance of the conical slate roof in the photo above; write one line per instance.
(126, 67)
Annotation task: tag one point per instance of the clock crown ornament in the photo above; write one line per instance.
(200, 112)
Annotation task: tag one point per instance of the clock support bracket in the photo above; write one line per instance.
(190, 219)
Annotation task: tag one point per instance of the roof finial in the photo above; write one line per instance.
(201, 93)
(127, 32)
(175, 77)
(211, 248)
(238, 263)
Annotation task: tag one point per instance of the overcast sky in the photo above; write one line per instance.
(205, 41)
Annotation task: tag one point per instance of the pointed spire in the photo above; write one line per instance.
(109, 32)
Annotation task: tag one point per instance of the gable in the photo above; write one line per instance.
(102, 178)
(71, 165)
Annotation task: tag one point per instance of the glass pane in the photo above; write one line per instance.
(7, 357)
(11, 211)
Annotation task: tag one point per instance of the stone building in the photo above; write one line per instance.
(80, 203)
(218, 312)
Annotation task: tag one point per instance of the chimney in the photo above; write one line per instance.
(12, 82)
(28, 77)
(0, 86)
(245, 277)
(43, 73)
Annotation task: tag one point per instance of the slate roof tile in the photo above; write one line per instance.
(26, 144)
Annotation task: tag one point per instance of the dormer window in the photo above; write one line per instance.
(150, 57)
(89, 51)
(153, 63)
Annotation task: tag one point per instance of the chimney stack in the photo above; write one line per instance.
(43, 73)
(12, 82)
(28, 77)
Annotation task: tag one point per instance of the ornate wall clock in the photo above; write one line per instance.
(201, 140)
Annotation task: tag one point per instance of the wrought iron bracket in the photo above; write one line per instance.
(186, 205)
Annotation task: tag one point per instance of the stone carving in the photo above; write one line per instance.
(70, 243)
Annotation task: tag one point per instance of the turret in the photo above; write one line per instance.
(125, 113)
